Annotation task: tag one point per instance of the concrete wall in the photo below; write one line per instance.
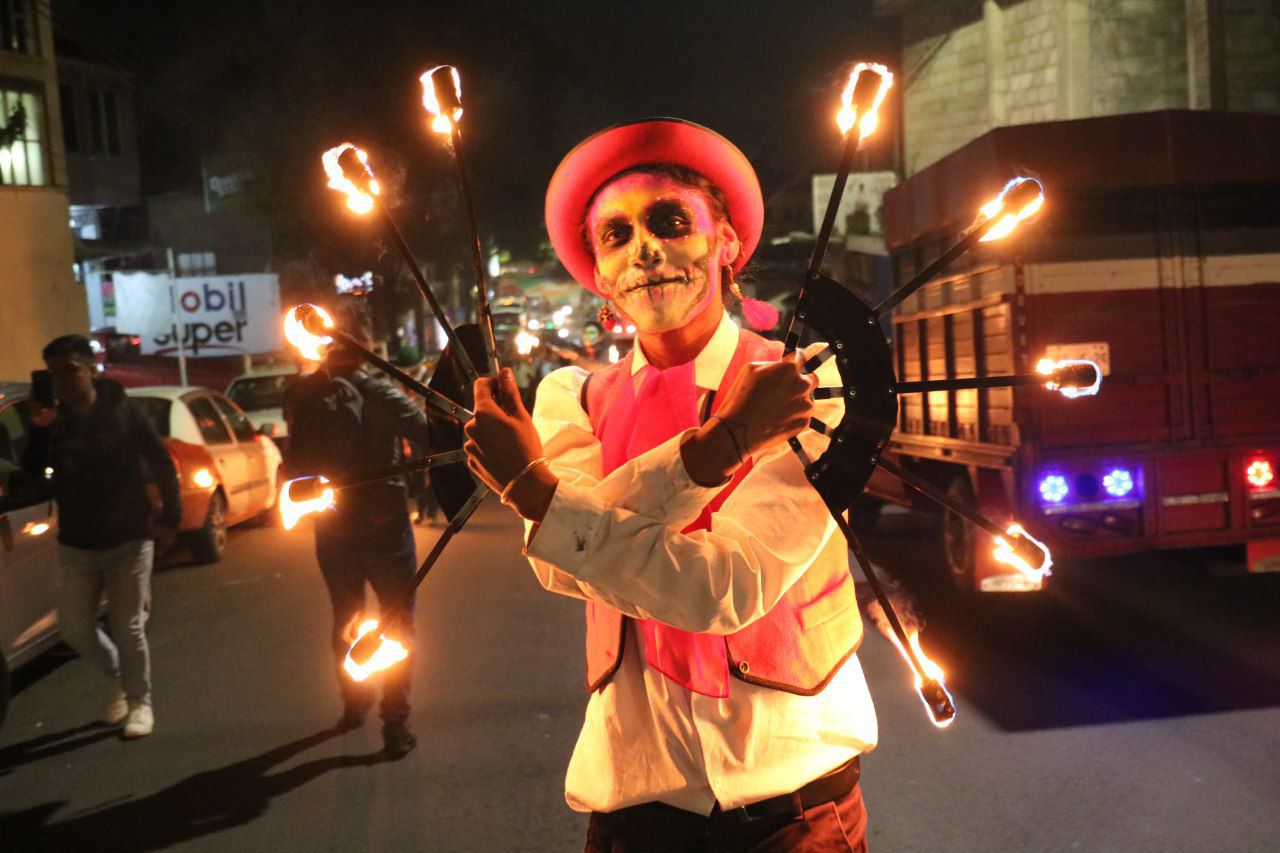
(98, 177)
(969, 66)
(39, 297)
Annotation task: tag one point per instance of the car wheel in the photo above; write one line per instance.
(960, 538)
(208, 543)
(4, 689)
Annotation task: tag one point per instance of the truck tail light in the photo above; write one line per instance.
(1053, 488)
(1118, 482)
(1260, 473)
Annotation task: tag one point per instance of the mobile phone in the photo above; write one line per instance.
(42, 388)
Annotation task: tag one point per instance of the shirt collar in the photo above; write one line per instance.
(710, 365)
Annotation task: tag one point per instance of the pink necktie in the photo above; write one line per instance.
(659, 405)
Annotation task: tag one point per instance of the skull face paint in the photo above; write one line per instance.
(657, 246)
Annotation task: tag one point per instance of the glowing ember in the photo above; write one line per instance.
(304, 327)
(1071, 377)
(388, 653)
(1024, 552)
(355, 180)
(436, 91)
(304, 496)
(1020, 199)
(859, 102)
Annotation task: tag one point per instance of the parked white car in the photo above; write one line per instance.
(260, 394)
(28, 549)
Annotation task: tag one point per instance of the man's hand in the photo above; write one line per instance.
(164, 537)
(39, 415)
(768, 403)
(502, 441)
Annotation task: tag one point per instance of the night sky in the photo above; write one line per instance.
(275, 83)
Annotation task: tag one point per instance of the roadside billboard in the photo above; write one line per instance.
(212, 315)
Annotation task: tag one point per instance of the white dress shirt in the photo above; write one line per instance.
(616, 540)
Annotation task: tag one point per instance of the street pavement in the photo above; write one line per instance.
(1135, 707)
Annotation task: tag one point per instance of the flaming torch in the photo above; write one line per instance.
(311, 330)
(350, 173)
(374, 651)
(1020, 199)
(442, 98)
(305, 495)
(861, 99)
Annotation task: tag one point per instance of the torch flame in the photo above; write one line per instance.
(869, 119)
(440, 121)
(319, 497)
(390, 652)
(1007, 552)
(1019, 188)
(1050, 367)
(937, 678)
(301, 327)
(359, 200)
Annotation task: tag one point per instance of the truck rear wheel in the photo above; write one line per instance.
(959, 538)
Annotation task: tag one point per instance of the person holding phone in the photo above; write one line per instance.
(102, 451)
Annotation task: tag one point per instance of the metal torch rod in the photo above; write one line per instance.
(410, 467)
(967, 241)
(972, 382)
(881, 596)
(853, 140)
(876, 587)
(484, 315)
(434, 398)
(393, 613)
(464, 358)
(935, 494)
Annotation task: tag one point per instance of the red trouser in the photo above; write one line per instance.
(840, 825)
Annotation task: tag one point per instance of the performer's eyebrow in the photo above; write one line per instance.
(603, 226)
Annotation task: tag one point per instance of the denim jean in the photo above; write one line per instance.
(383, 556)
(124, 574)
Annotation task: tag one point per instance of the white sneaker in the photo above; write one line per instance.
(117, 707)
(140, 722)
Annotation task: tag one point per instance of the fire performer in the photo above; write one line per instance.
(727, 708)
(343, 420)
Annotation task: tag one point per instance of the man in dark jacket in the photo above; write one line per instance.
(357, 425)
(102, 451)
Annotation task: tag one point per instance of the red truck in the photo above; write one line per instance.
(1157, 255)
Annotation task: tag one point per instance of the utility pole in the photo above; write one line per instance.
(176, 322)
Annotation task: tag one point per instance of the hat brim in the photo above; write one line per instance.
(651, 141)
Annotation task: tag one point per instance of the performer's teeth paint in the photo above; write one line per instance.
(654, 240)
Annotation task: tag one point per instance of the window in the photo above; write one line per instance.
(197, 263)
(70, 134)
(21, 139)
(17, 26)
(97, 133)
(212, 429)
(157, 411)
(239, 423)
(111, 119)
(259, 392)
(16, 490)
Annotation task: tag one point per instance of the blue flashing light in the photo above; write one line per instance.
(1118, 482)
(1053, 488)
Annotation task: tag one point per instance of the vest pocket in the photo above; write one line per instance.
(830, 604)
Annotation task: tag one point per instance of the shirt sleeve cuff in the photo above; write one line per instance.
(568, 530)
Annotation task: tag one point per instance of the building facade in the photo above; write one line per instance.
(970, 66)
(39, 296)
